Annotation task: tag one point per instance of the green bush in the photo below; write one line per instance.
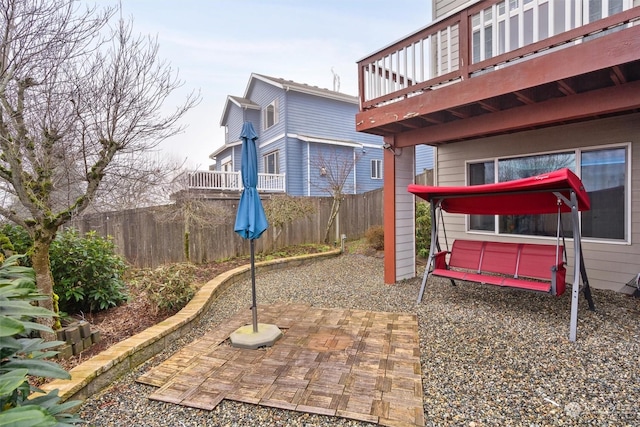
(20, 240)
(169, 287)
(423, 229)
(86, 271)
(22, 356)
(375, 237)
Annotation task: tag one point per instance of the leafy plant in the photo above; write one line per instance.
(168, 288)
(375, 237)
(423, 229)
(87, 272)
(22, 356)
(20, 240)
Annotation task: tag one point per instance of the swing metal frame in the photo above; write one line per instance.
(560, 190)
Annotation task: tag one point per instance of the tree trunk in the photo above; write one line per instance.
(335, 207)
(44, 279)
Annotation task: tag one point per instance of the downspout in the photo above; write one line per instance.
(286, 136)
(355, 169)
(308, 168)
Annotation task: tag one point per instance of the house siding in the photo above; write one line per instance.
(328, 123)
(405, 215)
(424, 158)
(609, 264)
(442, 7)
(264, 94)
(297, 167)
(364, 181)
(234, 124)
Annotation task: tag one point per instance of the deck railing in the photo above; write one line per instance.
(485, 36)
(230, 181)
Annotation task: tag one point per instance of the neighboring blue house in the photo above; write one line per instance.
(424, 158)
(305, 134)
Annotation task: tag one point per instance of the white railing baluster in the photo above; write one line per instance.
(552, 18)
(231, 181)
(396, 77)
(449, 49)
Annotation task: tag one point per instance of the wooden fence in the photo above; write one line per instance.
(146, 241)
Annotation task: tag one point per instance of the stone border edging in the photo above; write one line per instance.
(98, 372)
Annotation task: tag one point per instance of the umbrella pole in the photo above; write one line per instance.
(254, 307)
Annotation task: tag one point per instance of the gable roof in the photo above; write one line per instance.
(300, 87)
(240, 102)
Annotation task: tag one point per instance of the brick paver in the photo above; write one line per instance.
(348, 363)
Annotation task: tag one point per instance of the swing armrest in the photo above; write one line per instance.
(440, 260)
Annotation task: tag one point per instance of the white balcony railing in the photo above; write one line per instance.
(485, 36)
(230, 181)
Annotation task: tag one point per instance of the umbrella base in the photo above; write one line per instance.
(244, 337)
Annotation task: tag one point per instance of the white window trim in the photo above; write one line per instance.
(378, 163)
(276, 163)
(276, 115)
(578, 152)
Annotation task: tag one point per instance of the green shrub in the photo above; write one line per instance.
(22, 356)
(375, 237)
(169, 287)
(20, 240)
(86, 271)
(423, 229)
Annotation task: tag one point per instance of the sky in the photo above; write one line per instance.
(216, 44)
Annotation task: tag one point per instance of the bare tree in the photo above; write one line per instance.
(193, 211)
(284, 209)
(336, 165)
(148, 185)
(80, 101)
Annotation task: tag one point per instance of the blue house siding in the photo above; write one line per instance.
(296, 177)
(264, 94)
(312, 123)
(317, 116)
(364, 181)
(424, 158)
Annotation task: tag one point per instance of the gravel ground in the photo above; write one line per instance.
(490, 356)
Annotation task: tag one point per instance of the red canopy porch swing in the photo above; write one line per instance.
(526, 266)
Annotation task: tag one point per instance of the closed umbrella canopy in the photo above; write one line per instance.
(251, 220)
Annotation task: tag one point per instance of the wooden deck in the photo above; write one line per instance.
(347, 363)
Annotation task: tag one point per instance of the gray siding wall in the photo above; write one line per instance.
(442, 7)
(609, 264)
(405, 215)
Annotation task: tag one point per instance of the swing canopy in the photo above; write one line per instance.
(534, 195)
(503, 263)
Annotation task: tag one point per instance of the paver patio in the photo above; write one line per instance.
(347, 363)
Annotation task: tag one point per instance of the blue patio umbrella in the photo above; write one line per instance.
(251, 220)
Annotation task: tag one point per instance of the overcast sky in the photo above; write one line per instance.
(217, 44)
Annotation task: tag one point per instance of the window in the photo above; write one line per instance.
(271, 163)
(604, 176)
(603, 172)
(270, 115)
(376, 169)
